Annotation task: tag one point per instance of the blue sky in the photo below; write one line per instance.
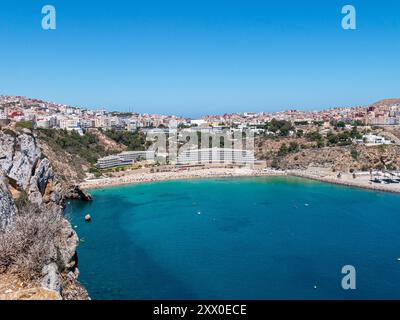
(194, 57)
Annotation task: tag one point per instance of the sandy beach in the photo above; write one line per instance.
(134, 177)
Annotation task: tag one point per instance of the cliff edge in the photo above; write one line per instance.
(38, 257)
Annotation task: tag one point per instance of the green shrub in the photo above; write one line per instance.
(283, 150)
(87, 146)
(9, 132)
(25, 125)
(354, 154)
(282, 127)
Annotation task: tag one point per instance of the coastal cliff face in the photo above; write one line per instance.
(7, 206)
(72, 156)
(29, 189)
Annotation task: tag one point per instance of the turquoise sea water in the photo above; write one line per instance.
(250, 238)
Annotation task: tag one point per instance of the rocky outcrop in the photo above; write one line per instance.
(344, 158)
(7, 146)
(74, 192)
(44, 186)
(24, 159)
(27, 174)
(51, 277)
(7, 206)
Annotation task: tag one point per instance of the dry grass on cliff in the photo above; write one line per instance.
(30, 243)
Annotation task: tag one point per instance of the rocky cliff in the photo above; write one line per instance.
(28, 181)
(345, 158)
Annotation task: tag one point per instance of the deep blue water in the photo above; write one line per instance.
(250, 238)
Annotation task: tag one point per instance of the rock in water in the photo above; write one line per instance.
(76, 193)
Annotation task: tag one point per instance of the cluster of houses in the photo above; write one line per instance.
(52, 115)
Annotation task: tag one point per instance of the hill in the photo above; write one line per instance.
(386, 102)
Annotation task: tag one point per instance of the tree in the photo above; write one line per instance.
(281, 127)
(293, 147)
(332, 138)
(340, 124)
(320, 143)
(358, 123)
(299, 133)
(355, 134)
(354, 154)
(313, 136)
(283, 150)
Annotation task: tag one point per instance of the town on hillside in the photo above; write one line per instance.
(59, 116)
(329, 143)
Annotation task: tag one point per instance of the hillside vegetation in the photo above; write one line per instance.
(74, 155)
(71, 154)
(87, 146)
(134, 141)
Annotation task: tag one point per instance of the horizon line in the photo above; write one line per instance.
(303, 109)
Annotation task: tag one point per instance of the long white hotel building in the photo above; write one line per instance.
(216, 156)
(124, 158)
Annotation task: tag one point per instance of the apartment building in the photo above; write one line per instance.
(124, 158)
(128, 157)
(215, 156)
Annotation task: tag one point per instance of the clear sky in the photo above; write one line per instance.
(194, 57)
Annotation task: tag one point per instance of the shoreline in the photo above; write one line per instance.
(317, 174)
(347, 180)
(209, 173)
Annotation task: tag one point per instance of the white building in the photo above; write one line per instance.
(2, 115)
(133, 125)
(108, 162)
(124, 158)
(43, 123)
(198, 122)
(68, 124)
(216, 156)
(372, 140)
(128, 157)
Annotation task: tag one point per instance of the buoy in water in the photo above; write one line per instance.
(88, 218)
